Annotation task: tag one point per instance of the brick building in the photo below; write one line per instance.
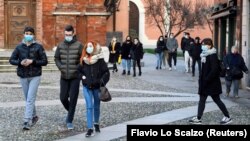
(89, 17)
(232, 27)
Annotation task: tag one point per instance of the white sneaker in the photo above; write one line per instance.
(170, 69)
(225, 120)
(195, 120)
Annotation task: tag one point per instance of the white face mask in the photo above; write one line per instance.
(204, 48)
(135, 42)
(90, 48)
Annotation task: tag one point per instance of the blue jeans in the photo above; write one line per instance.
(92, 105)
(159, 57)
(30, 87)
(236, 86)
(126, 62)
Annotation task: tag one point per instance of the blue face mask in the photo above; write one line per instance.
(68, 38)
(90, 50)
(28, 38)
(204, 48)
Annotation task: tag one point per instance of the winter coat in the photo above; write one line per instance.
(160, 46)
(67, 58)
(196, 51)
(96, 74)
(136, 51)
(209, 79)
(125, 50)
(113, 57)
(34, 52)
(172, 45)
(237, 61)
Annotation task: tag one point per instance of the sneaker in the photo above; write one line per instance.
(89, 133)
(97, 128)
(170, 69)
(34, 120)
(236, 96)
(174, 67)
(26, 126)
(70, 126)
(195, 120)
(225, 120)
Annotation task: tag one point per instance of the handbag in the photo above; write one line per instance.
(104, 94)
(236, 73)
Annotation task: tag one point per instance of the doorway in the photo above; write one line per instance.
(133, 20)
(18, 14)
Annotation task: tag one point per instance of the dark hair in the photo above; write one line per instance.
(29, 29)
(69, 28)
(208, 41)
(197, 38)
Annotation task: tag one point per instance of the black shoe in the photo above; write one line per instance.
(139, 73)
(34, 120)
(26, 126)
(97, 128)
(123, 72)
(134, 75)
(157, 68)
(160, 68)
(116, 70)
(128, 72)
(89, 133)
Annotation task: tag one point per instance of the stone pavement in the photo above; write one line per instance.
(177, 79)
(156, 97)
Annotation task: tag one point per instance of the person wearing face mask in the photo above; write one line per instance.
(210, 83)
(94, 73)
(136, 54)
(160, 45)
(172, 46)
(29, 57)
(114, 48)
(235, 66)
(125, 53)
(195, 54)
(67, 57)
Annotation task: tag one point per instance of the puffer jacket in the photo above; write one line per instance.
(34, 52)
(67, 58)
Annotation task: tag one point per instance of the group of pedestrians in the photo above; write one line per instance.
(131, 50)
(166, 49)
(75, 62)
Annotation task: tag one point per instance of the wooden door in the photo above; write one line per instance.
(18, 14)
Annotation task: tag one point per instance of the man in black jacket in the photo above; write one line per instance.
(67, 58)
(29, 57)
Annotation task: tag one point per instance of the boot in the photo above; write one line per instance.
(134, 74)
(124, 72)
(128, 72)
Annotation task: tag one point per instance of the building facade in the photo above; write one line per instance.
(231, 27)
(49, 18)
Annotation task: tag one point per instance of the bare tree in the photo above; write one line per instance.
(177, 14)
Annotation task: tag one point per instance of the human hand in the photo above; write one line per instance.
(28, 62)
(23, 62)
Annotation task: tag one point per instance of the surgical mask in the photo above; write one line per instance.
(135, 42)
(171, 36)
(90, 49)
(28, 38)
(161, 39)
(68, 38)
(204, 48)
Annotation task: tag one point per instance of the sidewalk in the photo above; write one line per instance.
(177, 79)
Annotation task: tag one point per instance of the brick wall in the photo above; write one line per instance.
(2, 23)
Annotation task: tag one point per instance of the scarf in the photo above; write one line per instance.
(92, 59)
(204, 54)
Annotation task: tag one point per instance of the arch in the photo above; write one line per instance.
(142, 34)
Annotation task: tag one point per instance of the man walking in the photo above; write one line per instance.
(29, 57)
(67, 58)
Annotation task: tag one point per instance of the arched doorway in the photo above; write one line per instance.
(133, 20)
(18, 14)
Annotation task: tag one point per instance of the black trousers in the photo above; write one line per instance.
(171, 56)
(194, 63)
(69, 91)
(138, 63)
(217, 100)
